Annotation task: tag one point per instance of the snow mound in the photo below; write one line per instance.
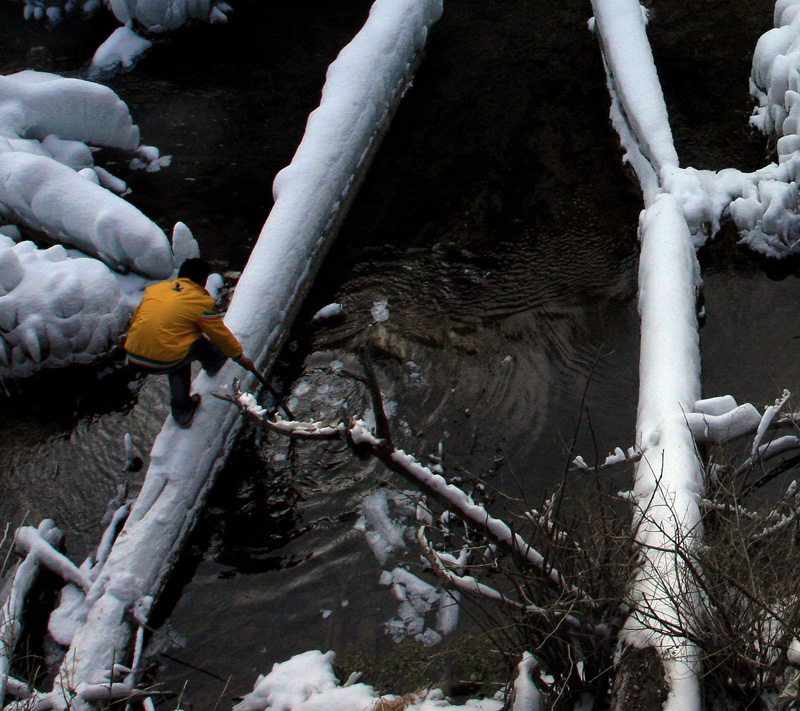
(56, 308)
(767, 213)
(763, 205)
(47, 196)
(120, 50)
(307, 683)
(166, 15)
(59, 306)
(46, 125)
(37, 104)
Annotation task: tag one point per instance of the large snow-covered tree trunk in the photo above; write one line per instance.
(669, 475)
(363, 87)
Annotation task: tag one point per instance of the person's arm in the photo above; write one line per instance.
(214, 327)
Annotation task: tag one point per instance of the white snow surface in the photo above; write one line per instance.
(764, 205)
(47, 196)
(620, 24)
(37, 104)
(361, 87)
(166, 15)
(59, 306)
(306, 682)
(526, 696)
(47, 125)
(120, 50)
(668, 478)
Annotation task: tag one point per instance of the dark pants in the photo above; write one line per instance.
(180, 376)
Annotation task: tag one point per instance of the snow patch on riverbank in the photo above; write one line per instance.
(306, 682)
(361, 89)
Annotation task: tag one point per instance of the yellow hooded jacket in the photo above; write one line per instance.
(171, 317)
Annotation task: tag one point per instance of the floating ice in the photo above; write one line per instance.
(329, 311)
(380, 310)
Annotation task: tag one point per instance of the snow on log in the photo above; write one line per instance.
(764, 205)
(47, 124)
(12, 599)
(31, 541)
(668, 480)
(38, 104)
(312, 193)
(633, 81)
(740, 421)
(363, 86)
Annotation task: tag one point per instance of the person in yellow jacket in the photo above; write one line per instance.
(175, 324)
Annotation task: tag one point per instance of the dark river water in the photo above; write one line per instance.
(497, 224)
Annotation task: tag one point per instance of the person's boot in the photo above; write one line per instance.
(184, 420)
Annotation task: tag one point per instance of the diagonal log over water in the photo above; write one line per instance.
(363, 88)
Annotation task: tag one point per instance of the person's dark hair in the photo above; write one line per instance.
(195, 269)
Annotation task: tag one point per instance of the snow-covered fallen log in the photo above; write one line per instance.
(683, 208)
(668, 479)
(363, 86)
(764, 204)
(307, 681)
(638, 110)
(12, 602)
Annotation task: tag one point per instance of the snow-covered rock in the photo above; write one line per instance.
(57, 307)
(47, 124)
(120, 50)
(38, 104)
(166, 15)
(47, 196)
